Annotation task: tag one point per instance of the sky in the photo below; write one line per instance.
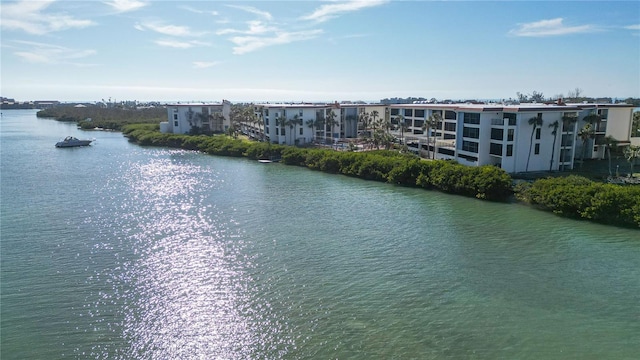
(303, 51)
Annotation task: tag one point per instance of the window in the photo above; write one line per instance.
(510, 135)
(408, 112)
(282, 132)
(175, 116)
(497, 134)
(277, 131)
(509, 150)
(266, 112)
(418, 123)
(603, 113)
(450, 115)
(471, 118)
(468, 158)
(511, 118)
(495, 149)
(175, 123)
(538, 134)
(470, 146)
(537, 149)
(266, 121)
(470, 132)
(419, 113)
(448, 126)
(301, 130)
(394, 111)
(267, 130)
(448, 136)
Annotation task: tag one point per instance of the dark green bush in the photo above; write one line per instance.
(578, 197)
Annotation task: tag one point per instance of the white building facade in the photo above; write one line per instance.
(197, 118)
(504, 135)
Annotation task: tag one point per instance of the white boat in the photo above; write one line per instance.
(71, 141)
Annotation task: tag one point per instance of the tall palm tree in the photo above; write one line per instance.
(330, 122)
(312, 125)
(364, 119)
(586, 133)
(609, 141)
(374, 116)
(403, 126)
(555, 125)
(631, 153)
(261, 129)
(430, 123)
(281, 121)
(535, 122)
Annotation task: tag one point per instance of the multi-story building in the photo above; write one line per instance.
(200, 117)
(517, 138)
(299, 124)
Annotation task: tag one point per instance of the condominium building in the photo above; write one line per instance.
(299, 124)
(517, 138)
(197, 117)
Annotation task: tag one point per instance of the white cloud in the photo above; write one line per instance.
(204, 64)
(255, 27)
(330, 11)
(171, 30)
(252, 10)
(35, 52)
(633, 27)
(29, 16)
(550, 27)
(197, 11)
(126, 5)
(246, 44)
(180, 44)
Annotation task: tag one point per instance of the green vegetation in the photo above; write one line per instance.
(486, 182)
(571, 196)
(105, 118)
(578, 197)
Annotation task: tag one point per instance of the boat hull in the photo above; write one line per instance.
(72, 142)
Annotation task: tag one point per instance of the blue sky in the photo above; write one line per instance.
(316, 50)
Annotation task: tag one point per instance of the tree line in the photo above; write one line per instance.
(572, 196)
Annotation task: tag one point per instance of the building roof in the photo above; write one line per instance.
(196, 104)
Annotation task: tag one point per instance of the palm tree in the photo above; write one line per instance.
(403, 127)
(593, 119)
(631, 153)
(555, 125)
(608, 142)
(535, 122)
(330, 122)
(430, 123)
(261, 130)
(281, 121)
(364, 119)
(312, 125)
(586, 133)
(374, 116)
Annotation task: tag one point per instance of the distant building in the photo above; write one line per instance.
(206, 117)
(299, 124)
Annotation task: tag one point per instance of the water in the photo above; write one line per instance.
(116, 251)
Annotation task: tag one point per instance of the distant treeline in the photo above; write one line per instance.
(107, 118)
(571, 196)
(485, 182)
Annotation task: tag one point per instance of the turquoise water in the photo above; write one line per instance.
(117, 251)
